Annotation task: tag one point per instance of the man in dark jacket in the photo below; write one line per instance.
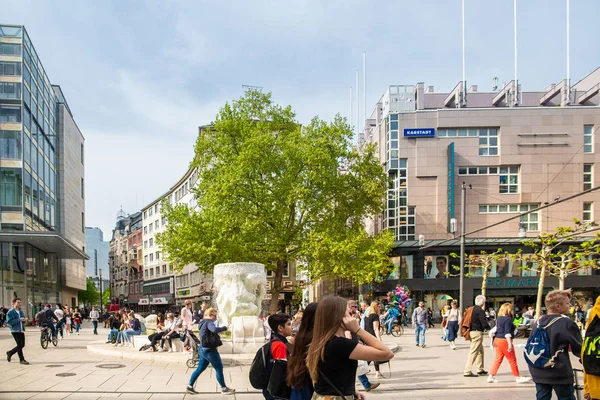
(479, 324)
(562, 334)
(50, 318)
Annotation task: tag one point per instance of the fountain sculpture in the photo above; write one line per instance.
(241, 289)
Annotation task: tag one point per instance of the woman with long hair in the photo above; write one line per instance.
(503, 344)
(332, 358)
(372, 324)
(452, 323)
(297, 374)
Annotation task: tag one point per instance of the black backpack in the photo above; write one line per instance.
(590, 351)
(210, 340)
(260, 370)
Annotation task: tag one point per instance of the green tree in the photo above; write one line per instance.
(483, 262)
(555, 259)
(272, 191)
(89, 296)
(106, 297)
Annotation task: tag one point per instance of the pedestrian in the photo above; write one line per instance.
(363, 378)
(563, 334)
(419, 321)
(430, 318)
(135, 328)
(60, 314)
(208, 354)
(503, 344)
(77, 321)
(405, 317)
(444, 323)
(115, 323)
(453, 318)
(478, 325)
(15, 319)
(332, 358)
(187, 317)
(68, 321)
(372, 325)
(171, 332)
(281, 328)
(156, 336)
(591, 383)
(94, 315)
(364, 308)
(297, 375)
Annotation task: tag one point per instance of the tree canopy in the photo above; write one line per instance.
(273, 191)
(91, 295)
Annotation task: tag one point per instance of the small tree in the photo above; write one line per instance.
(106, 297)
(89, 296)
(483, 261)
(554, 260)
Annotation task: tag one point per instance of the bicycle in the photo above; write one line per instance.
(46, 337)
(397, 329)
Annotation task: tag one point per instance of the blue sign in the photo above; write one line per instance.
(419, 132)
(513, 283)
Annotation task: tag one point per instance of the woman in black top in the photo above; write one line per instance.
(372, 324)
(332, 358)
(504, 345)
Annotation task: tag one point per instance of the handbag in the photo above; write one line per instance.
(277, 386)
(363, 368)
(211, 340)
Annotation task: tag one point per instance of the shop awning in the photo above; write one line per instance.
(49, 242)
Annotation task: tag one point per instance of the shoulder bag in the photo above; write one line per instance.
(335, 388)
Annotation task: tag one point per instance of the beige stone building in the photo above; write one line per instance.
(515, 151)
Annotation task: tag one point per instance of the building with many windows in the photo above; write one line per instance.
(515, 151)
(42, 199)
(126, 275)
(97, 249)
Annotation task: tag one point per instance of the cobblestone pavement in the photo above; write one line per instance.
(433, 372)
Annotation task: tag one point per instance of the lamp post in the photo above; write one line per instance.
(463, 207)
(101, 305)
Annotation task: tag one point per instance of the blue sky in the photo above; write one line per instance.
(141, 76)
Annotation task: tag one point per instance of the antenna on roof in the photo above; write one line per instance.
(494, 83)
(121, 214)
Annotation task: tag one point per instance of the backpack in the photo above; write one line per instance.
(210, 340)
(590, 351)
(537, 350)
(260, 369)
(40, 317)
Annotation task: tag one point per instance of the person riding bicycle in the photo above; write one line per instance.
(48, 321)
(390, 316)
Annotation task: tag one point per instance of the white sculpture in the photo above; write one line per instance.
(241, 289)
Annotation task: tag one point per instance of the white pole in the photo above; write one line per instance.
(568, 54)
(464, 83)
(357, 107)
(515, 23)
(351, 120)
(365, 88)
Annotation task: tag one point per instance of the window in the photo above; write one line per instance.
(10, 145)
(163, 221)
(82, 153)
(10, 187)
(588, 212)
(145, 260)
(158, 255)
(146, 273)
(151, 243)
(588, 177)
(170, 268)
(164, 269)
(509, 180)
(588, 138)
(476, 170)
(157, 271)
(145, 214)
(11, 114)
(530, 221)
(156, 208)
(10, 90)
(145, 230)
(151, 273)
(150, 227)
(151, 257)
(82, 189)
(10, 68)
(156, 224)
(10, 49)
(145, 244)
(150, 212)
(82, 217)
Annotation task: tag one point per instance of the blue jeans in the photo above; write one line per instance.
(77, 328)
(95, 323)
(364, 381)
(208, 357)
(420, 333)
(112, 335)
(563, 392)
(129, 332)
(52, 328)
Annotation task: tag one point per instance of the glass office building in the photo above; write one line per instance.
(31, 241)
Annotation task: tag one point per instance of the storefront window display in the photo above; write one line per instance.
(403, 268)
(436, 267)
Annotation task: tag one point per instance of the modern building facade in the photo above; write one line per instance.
(97, 267)
(515, 151)
(42, 202)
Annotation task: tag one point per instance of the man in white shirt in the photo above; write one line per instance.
(60, 314)
(94, 315)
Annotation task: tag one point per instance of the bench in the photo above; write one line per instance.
(140, 340)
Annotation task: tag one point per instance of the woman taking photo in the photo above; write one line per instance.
(297, 374)
(332, 358)
(372, 324)
(504, 345)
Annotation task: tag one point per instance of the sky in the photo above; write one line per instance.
(141, 76)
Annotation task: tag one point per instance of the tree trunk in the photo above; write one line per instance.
(540, 294)
(561, 279)
(486, 275)
(276, 288)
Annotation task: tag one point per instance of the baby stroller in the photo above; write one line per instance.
(192, 342)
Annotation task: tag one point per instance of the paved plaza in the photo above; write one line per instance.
(71, 371)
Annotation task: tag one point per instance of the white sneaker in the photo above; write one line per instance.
(378, 375)
(160, 350)
(523, 379)
(491, 379)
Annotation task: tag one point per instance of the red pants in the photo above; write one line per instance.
(501, 346)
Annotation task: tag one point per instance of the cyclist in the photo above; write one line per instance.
(48, 321)
(392, 313)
